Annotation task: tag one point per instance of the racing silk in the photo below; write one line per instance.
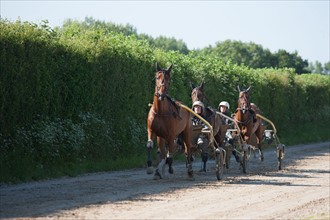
(197, 121)
(225, 120)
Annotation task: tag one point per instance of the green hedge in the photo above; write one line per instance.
(74, 96)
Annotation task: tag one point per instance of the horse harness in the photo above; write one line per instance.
(246, 121)
(170, 113)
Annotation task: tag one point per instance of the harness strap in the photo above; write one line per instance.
(174, 114)
(245, 122)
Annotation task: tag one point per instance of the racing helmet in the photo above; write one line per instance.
(199, 103)
(224, 103)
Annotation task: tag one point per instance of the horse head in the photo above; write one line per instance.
(163, 81)
(197, 93)
(244, 99)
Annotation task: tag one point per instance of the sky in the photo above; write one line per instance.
(301, 26)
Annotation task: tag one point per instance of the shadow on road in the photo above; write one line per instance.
(49, 198)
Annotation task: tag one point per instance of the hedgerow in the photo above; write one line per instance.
(72, 96)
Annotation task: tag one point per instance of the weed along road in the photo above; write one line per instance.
(300, 191)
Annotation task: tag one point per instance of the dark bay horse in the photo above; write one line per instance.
(166, 120)
(197, 94)
(245, 117)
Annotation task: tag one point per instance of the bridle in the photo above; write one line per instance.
(161, 95)
(244, 103)
(197, 94)
(165, 84)
(244, 106)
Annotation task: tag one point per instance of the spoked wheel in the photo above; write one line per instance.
(219, 163)
(245, 160)
(229, 149)
(279, 159)
(228, 155)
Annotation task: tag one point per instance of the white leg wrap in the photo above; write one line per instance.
(150, 144)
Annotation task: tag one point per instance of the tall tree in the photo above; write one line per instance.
(327, 68)
(318, 67)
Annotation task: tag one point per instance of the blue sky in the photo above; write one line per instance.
(301, 26)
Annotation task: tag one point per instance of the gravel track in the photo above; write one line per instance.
(300, 191)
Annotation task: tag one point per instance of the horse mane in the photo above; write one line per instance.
(174, 103)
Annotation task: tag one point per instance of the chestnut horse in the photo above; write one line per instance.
(209, 114)
(166, 120)
(246, 118)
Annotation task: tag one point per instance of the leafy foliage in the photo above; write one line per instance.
(254, 56)
(80, 95)
(162, 42)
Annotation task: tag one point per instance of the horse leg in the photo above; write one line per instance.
(231, 142)
(247, 143)
(205, 158)
(150, 144)
(259, 134)
(159, 173)
(188, 153)
(169, 156)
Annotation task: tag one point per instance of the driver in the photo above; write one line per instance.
(202, 140)
(224, 109)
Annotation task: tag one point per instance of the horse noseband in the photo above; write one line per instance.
(161, 97)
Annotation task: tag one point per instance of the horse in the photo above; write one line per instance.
(245, 117)
(166, 120)
(215, 120)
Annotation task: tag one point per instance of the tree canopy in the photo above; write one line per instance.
(255, 56)
(249, 54)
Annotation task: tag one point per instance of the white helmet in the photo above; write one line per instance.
(224, 103)
(199, 103)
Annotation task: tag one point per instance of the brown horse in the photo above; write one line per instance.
(197, 94)
(166, 120)
(245, 116)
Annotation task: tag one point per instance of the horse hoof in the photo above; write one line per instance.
(150, 170)
(237, 158)
(191, 178)
(171, 170)
(157, 175)
(262, 158)
(165, 177)
(191, 174)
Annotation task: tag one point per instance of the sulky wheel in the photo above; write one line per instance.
(245, 160)
(219, 163)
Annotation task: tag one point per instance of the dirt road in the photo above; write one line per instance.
(300, 191)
